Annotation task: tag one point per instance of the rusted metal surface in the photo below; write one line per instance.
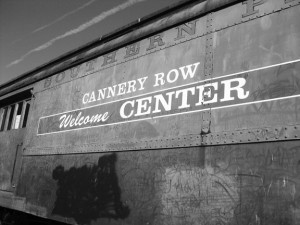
(265, 134)
(112, 87)
(270, 39)
(232, 184)
(266, 40)
(70, 95)
(10, 142)
(10, 200)
(233, 159)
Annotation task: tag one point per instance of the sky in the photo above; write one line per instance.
(33, 32)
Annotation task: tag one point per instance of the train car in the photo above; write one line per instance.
(187, 116)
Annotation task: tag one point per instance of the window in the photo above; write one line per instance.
(14, 116)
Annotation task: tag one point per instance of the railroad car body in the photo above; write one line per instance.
(189, 116)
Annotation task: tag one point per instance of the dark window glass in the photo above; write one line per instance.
(3, 119)
(11, 115)
(14, 110)
(26, 114)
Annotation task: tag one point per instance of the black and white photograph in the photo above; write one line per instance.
(149, 112)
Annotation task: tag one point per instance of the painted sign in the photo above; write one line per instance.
(214, 93)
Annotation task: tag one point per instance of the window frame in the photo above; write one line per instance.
(9, 113)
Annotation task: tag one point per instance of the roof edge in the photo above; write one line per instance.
(111, 35)
(45, 69)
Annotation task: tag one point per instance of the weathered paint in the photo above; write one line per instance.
(233, 184)
(232, 163)
(69, 96)
(11, 142)
(227, 91)
(268, 40)
(116, 88)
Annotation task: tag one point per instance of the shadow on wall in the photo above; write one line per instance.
(89, 192)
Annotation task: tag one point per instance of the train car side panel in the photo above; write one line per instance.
(268, 58)
(232, 184)
(124, 97)
(194, 124)
(10, 143)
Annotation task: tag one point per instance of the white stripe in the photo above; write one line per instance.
(182, 113)
(198, 82)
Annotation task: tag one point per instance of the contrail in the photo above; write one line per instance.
(55, 21)
(64, 16)
(80, 28)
